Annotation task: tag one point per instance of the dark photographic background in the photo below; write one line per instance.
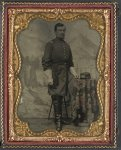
(118, 59)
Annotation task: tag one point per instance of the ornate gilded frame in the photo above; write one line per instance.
(101, 17)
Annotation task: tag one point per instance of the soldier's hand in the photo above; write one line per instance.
(72, 70)
(48, 73)
(50, 81)
(76, 76)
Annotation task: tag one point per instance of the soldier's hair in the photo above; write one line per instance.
(58, 25)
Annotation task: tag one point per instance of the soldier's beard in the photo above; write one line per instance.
(61, 37)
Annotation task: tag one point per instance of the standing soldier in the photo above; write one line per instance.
(57, 63)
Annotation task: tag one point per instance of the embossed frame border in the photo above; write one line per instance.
(106, 64)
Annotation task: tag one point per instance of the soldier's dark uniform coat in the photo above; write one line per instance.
(58, 58)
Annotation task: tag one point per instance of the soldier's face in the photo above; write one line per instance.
(60, 32)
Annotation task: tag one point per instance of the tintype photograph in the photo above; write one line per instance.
(59, 74)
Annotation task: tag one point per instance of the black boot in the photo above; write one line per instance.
(57, 103)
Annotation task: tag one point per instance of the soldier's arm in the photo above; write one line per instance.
(47, 62)
(47, 59)
(71, 64)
